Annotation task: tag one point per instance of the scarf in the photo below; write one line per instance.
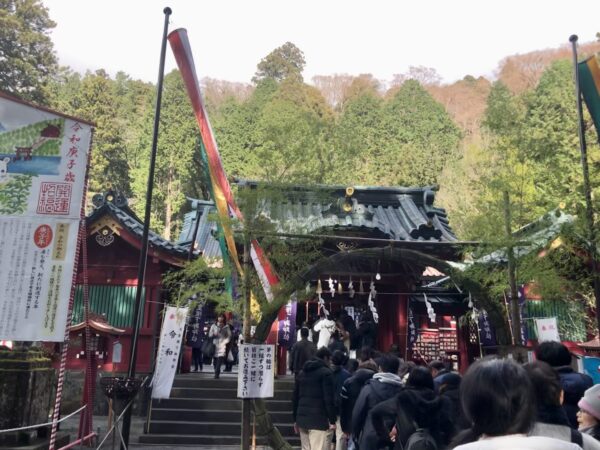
(388, 378)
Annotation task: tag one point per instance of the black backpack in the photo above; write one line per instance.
(421, 439)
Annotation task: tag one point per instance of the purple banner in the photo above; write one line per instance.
(487, 335)
(522, 300)
(286, 332)
(412, 329)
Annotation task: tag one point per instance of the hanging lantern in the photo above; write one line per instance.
(361, 288)
(340, 289)
(319, 287)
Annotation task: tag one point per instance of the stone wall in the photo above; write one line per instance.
(27, 390)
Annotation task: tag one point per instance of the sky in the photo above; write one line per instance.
(381, 37)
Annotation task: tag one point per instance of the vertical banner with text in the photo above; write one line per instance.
(43, 161)
(256, 371)
(171, 336)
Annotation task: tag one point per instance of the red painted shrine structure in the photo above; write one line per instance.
(114, 234)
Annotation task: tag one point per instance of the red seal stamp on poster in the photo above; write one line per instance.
(42, 237)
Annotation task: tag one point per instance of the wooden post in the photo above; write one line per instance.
(246, 402)
(515, 312)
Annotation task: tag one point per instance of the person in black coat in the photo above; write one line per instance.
(574, 384)
(312, 403)
(340, 374)
(384, 385)
(336, 343)
(449, 390)
(351, 390)
(301, 352)
(416, 404)
(366, 332)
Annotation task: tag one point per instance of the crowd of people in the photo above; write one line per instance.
(379, 401)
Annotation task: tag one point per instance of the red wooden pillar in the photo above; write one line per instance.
(402, 319)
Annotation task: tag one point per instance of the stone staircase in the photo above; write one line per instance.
(205, 411)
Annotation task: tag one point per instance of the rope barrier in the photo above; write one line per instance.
(65, 344)
(29, 427)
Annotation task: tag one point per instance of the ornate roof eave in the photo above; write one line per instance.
(112, 216)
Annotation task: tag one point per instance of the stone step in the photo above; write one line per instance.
(211, 415)
(223, 382)
(221, 404)
(223, 429)
(197, 440)
(219, 393)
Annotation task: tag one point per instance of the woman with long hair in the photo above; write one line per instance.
(221, 335)
(499, 401)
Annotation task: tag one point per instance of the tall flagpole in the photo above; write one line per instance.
(138, 311)
(586, 183)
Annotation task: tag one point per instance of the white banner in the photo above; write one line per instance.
(547, 330)
(43, 158)
(256, 371)
(167, 356)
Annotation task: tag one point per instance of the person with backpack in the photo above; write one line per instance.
(351, 390)
(418, 416)
(499, 401)
(449, 391)
(384, 385)
(340, 375)
(551, 419)
(574, 384)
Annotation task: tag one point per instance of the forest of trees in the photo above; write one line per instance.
(480, 140)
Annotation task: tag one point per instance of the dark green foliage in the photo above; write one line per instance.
(197, 282)
(284, 62)
(27, 57)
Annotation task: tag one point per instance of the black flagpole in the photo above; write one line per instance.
(586, 183)
(138, 312)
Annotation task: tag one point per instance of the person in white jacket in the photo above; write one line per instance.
(221, 335)
(325, 328)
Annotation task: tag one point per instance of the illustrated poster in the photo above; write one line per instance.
(43, 160)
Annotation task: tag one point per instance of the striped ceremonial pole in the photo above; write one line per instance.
(65, 344)
(223, 195)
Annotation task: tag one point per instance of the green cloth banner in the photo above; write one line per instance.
(589, 83)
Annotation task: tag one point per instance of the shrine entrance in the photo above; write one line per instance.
(417, 305)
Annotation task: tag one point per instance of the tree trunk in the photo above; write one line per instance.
(264, 424)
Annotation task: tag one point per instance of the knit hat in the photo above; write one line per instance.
(590, 402)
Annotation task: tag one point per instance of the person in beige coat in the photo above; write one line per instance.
(220, 333)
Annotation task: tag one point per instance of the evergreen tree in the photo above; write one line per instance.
(178, 141)
(27, 58)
